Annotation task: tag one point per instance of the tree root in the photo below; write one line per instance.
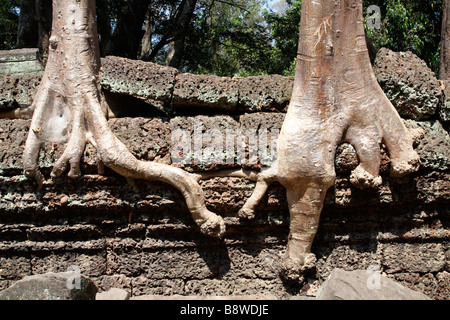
(70, 111)
(294, 270)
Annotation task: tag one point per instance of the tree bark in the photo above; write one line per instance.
(444, 73)
(336, 98)
(34, 26)
(126, 38)
(70, 111)
(27, 37)
(176, 46)
(146, 44)
(103, 25)
(168, 35)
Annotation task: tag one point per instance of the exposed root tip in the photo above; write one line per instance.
(416, 135)
(246, 213)
(213, 227)
(36, 175)
(57, 172)
(404, 167)
(74, 173)
(362, 179)
(293, 270)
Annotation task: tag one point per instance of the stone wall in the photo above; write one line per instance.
(141, 237)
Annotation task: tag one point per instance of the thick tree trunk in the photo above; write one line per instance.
(34, 26)
(445, 42)
(176, 46)
(103, 25)
(171, 32)
(44, 15)
(146, 43)
(70, 111)
(27, 37)
(126, 38)
(336, 99)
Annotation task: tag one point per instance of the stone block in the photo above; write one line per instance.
(363, 285)
(143, 285)
(51, 286)
(18, 90)
(433, 145)
(444, 110)
(205, 91)
(265, 93)
(20, 61)
(408, 82)
(408, 257)
(113, 294)
(144, 80)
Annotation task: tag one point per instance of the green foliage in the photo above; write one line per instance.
(409, 25)
(285, 32)
(243, 38)
(248, 37)
(228, 39)
(9, 20)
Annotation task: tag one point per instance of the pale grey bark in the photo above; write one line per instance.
(27, 37)
(70, 112)
(146, 43)
(176, 46)
(336, 98)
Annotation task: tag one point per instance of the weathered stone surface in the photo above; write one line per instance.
(433, 285)
(201, 133)
(205, 91)
(51, 286)
(166, 287)
(140, 236)
(265, 93)
(150, 140)
(113, 294)
(433, 187)
(47, 258)
(20, 61)
(18, 90)
(144, 80)
(207, 298)
(14, 266)
(363, 285)
(13, 135)
(421, 258)
(407, 81)
(434, 145)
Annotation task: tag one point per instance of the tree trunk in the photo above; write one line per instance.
(336, 98)
(103, 25)
(146, 44)
(27, 37)
(171, 31)
(34, 26)
(176, 46)
(44, 15)
(126, 38)
(444, 73)
(70, 111)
